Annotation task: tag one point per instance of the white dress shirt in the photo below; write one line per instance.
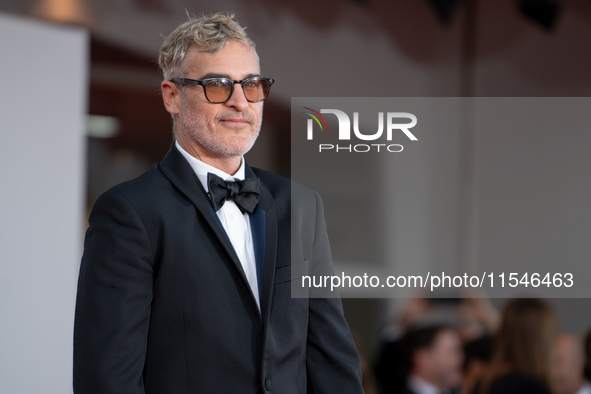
(236, 223)
(586, 389)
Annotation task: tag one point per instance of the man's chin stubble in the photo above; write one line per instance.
(223, 149)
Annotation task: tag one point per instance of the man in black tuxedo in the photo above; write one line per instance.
(433, 358)
(185, 282)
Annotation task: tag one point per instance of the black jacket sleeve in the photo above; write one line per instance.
(113, 300)
(332, 361)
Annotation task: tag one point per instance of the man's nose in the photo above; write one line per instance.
(238, 99)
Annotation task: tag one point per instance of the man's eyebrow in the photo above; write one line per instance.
(218, 75)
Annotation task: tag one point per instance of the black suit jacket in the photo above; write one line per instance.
(163, 305)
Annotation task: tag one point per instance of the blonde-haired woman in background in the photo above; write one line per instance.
(523, 347)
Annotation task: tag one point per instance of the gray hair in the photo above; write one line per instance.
(207, 33)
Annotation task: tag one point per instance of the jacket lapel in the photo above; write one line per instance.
(176, 168)
(258, 227)
(268, 218)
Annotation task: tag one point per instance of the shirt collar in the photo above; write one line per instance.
(421, 386)
(201, 169)
(586, 389)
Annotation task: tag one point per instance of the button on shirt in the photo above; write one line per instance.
(235, 223)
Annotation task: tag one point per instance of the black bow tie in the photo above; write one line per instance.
(244, 193)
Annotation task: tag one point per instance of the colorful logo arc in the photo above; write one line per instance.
(315, 115)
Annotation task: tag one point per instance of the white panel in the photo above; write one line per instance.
(43, 90)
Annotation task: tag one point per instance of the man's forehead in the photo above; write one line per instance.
(236, 60)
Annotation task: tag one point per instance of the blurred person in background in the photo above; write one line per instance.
(523, 350)
(390, 371)
(474, 317)
(477, 354)
(433, 358)
(569, 373)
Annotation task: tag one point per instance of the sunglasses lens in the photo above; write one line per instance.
(218, 90)
(256, 89)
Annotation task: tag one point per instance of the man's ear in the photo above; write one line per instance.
(171, 97)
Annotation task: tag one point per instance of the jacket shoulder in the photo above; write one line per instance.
(294, 198)
(272, 181)
(141, 188)
(277, 184)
